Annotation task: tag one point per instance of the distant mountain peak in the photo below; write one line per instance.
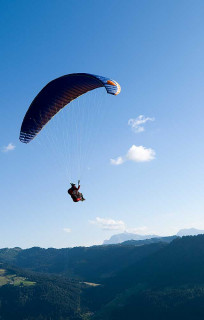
(189, 232)
(126, 236)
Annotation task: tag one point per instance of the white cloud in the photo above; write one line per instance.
(8, 148)
(136, 154)
(119, 225)
(117, 161)
(140, 154)
(68, 230)
(136, 124)
(109, 224)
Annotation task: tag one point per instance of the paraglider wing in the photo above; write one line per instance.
(57, 94)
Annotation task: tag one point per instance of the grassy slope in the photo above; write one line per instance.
(6, 277)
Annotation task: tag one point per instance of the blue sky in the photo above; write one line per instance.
(155, 50)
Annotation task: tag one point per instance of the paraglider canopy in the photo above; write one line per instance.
(56, 95)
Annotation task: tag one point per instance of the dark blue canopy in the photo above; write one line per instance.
(57, 94)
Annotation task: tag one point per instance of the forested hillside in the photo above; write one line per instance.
(28, 295)
(169, 284)
(156, 281)
(90, 264)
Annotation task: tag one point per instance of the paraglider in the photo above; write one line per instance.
(54, 97)
(74, 192)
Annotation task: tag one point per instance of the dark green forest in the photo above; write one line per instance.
(134, 280)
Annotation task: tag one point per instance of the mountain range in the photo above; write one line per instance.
(121, 237)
